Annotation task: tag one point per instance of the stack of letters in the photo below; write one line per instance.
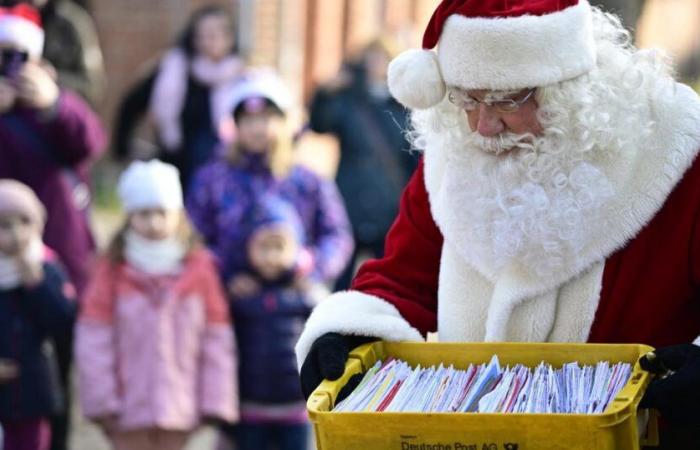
(393, 386)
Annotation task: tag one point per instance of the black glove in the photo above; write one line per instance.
(677, 394)
(326, 360)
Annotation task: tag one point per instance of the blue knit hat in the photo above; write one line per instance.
(272, 210)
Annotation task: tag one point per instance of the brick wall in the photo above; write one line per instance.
(305, 40)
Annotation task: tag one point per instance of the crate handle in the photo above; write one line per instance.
(319, 400)
(362, 353)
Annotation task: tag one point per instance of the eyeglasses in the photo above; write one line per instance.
(469, 103)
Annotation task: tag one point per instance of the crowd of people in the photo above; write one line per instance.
(190, 314)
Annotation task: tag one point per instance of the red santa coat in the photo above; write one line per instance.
(640, 281)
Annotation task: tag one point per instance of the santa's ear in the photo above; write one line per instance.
(415, 80)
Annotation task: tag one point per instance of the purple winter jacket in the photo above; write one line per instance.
(52, 155)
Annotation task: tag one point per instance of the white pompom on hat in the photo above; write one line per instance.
(495, 45)
(20, 26)
(152, 184)
(416, 68)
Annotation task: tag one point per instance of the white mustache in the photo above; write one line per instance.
(502, 143)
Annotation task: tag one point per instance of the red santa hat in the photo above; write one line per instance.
(20, 26)
(497, 45)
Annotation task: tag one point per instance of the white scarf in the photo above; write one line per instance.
(154, 257)
(216, 73)
(10, 274)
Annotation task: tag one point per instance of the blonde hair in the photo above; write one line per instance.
(185, 234)
(280, 157)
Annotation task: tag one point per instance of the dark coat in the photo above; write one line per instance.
(199, 138)
(267, 328)
(30, 319)
(374, 160)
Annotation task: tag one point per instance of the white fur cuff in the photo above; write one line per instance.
(697, 341)
(354, 313)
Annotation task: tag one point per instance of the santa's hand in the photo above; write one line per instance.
(677, 393)
(326, 360)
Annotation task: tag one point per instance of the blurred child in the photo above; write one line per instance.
(271, 286)
(154, 344)
(270, 321)
(36, 305)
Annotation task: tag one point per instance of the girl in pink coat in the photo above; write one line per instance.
(154, 344)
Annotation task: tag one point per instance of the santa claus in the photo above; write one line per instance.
(558, 199)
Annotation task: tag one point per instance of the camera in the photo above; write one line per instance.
(11, 62)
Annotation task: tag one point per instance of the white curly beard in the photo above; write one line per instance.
(543, 204)
(536, 205)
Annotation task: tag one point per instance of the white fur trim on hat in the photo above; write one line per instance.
(517, 52)
(415, 80)
(152, 184)
(22, 33)
(354, 313)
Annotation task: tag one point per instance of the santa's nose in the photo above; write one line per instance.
(489, 121)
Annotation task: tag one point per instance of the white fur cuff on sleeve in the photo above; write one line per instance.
(354, 313)
(697, 341)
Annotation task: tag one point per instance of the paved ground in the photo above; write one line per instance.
(85, 436)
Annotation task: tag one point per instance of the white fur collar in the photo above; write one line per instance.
(473, 309)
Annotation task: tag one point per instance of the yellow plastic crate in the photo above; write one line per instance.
(615, 428)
